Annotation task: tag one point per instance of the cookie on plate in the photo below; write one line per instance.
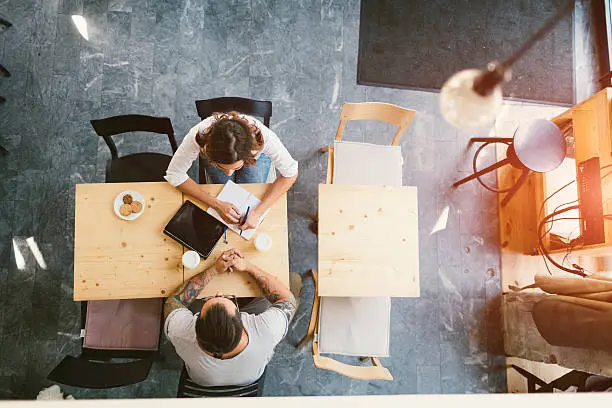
(127, 199)
(125, 209)
(136, 206)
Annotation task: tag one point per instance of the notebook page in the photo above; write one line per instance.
(242, 199)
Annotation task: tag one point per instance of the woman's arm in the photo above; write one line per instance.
(273, 193)
(287, 167)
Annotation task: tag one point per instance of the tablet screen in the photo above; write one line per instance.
(195, 228)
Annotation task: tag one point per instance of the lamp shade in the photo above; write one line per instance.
(463, 107)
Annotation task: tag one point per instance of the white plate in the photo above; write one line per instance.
(136, 196)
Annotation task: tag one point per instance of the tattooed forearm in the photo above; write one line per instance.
(194, 286)
(286, 307)
(189, 293)
(272, 288)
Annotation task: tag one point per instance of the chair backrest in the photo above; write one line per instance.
(189, 389)
(115, 125)
(384, 112)
(251, 107)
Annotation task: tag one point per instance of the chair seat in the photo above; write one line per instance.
(189, 389)
(367, 164)
(355, 326)
(124, 324)
(139, 167)
(81, 372)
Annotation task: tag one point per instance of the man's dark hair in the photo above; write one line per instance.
(217, 331)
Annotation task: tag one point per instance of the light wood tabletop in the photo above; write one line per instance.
(274, 261)
(119, 259)
(368, 241)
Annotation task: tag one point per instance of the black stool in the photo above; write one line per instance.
(539, 147)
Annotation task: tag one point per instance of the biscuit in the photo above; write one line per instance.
(127, 199)
(125, 210)
(136, 206)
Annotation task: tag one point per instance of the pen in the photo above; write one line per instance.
(245, 218)
(225, 235)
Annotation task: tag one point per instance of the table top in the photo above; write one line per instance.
(117, 259)
(274, 261)
(368, 241)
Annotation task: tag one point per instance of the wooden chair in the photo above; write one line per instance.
(138, 167)
(389, 161)
(380, 111)
(374, 372)
(251, 107)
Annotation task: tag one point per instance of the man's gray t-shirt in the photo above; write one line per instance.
(265, 331)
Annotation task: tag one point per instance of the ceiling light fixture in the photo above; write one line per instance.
(473, 98)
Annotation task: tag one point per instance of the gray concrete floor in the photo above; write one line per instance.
(157, 57)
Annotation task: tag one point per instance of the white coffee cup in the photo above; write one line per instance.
(263, 242)
(191, 259)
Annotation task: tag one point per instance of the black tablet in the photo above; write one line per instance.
(195, 228)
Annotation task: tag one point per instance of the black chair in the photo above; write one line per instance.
(4, 73)
(574, 378)
(139, 166)
(539, 147)
(252, 107)
(97, 366)
(189, 389)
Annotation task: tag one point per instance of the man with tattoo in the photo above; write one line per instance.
(221, 345)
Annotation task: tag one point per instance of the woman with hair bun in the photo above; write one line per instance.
(238, 148)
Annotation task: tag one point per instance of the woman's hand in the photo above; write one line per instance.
(228, 211)
(252, 220)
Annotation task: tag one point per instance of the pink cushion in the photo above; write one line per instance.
(124, 324)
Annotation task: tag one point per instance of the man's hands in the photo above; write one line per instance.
(228, 211)
(229, 261)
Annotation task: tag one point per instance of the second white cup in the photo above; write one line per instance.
(263, 242)
(191, 259)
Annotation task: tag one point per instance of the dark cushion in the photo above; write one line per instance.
(569, 325)
(124, 324)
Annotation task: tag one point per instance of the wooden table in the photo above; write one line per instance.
(117, 259)
(368, 241)
(274, 261)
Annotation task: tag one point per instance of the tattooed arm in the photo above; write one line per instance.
(273, 289)
(189, 293)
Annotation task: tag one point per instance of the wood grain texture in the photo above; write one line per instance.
(274, 261)
(117, 259)
(368, 241)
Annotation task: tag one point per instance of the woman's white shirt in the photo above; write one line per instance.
(189, 150)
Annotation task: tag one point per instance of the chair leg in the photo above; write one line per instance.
(481, 172)
(4, 72)
(522, 179)
(490, 140)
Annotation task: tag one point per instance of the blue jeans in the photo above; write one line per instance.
(247, 174)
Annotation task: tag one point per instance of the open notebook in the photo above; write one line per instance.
(241, 198)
